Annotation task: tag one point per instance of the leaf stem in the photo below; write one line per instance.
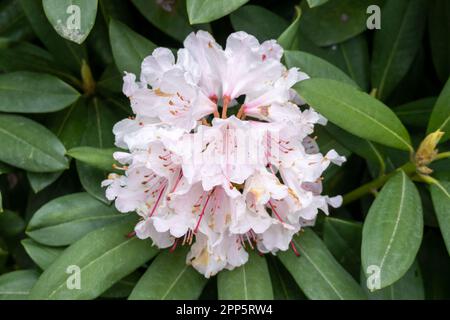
(409, 168)
(443, 155)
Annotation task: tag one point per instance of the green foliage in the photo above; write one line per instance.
(382, 92)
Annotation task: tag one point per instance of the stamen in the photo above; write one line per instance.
(203, 211)
(226, 101)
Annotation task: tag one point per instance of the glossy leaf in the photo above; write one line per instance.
(129, 48)
(202, 11)
(169, 278)
(28, 145)
(42, 255)
(370, 118)
(103, 256)
(289, 36)
(16, 285)
(72, 19)
(316, 67)
(66, 219)
(317, 273)
(335, 21)
(29, 92)
(250, 281)
(316, 3)
(409, 287)
(440, 117)
(39, 181)
(396, 43)
(416, 113)
(99, 158)
(11, 224)
(355, 56)
(169, 17)
(259, 22)
(392, 230)
(440, 193)
(284, 286)
(343, 239)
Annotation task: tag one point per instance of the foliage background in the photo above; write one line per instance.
(59, 100)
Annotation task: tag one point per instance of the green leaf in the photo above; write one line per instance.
(316, 3)
(392, 230)
(13, 24)
(284, 286)
(289, 36)
(363, 148)
(169, 277)
(70, 124)
(396, 43)
(30, 92)
(99, 158)
(72, 19)
(335, 21)
(42, 255)
(40, 181)
(409, 287)
(169, 17)
(103, 257)
(440, 194)
(203, 11)
(370, 118)
(4, 168)
(259, 22)
(11, 224)
(440, 117)
(66, 219)
(68, 54)
(28, 145)
(416, 113)
(250, 281)
(16, 285)
(122, 288)
(129, 48)
(316, 67)
(439, 29)
(343, 239)
(355, 56)
(98, 134)
(317, 273)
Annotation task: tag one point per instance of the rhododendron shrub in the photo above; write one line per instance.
(199, 149)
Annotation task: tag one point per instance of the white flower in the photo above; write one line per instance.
(223, 182)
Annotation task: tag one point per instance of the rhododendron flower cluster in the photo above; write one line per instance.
(219, 155)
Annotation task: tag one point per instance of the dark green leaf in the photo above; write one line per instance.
(317, 273)
(202, 11)
(409, 287)
(40, 181)
(440, 117)
(439, 31)
(355, 111)
(170, 17)
(250, 281)
(103, 257)
(343, 239)
(30, 92)
(11, 224)
(335, 21)
(416, 113)
(98, 158)
(28, 145)
(355, 54)
(66, 219)
(259, 22)
(284, 286)
(169, 277)
(440, 193)
(396, 43)
(128, 47)
(316, 67)
(316, 3)
(16, 285)
(42, 255)
(392, 231)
